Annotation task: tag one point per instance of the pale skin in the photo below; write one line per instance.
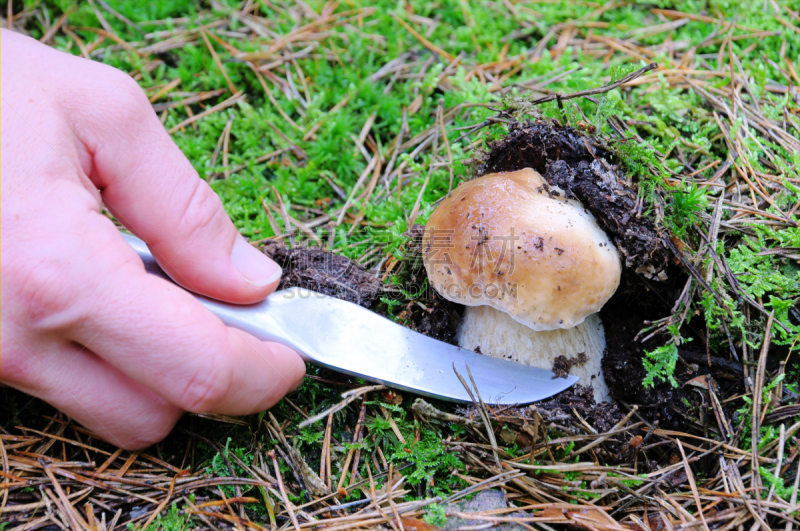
(83, 326)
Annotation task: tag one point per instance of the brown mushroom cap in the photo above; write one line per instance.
(509, 241)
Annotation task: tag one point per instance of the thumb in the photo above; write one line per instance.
(150, 186)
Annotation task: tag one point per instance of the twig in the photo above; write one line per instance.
(598, 90)
(286, 502)
(233, 100)
(758, 385)
(481, 407)
(602, 439)
(693, 485)
(349, 396)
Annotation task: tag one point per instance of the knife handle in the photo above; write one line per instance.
(264, 320)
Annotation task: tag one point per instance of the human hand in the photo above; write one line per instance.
(83, 326)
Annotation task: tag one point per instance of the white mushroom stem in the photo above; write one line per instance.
(495, 333)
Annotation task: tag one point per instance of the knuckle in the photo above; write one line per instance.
(124, 98)
(42, 294)
(201, 210)
(211, 381)
(131, 93)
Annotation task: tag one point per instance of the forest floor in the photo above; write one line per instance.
(331, 130)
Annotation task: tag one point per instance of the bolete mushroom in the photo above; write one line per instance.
(532, 267)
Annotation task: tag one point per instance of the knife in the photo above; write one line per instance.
(351, 339)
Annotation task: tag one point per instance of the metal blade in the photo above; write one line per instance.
(351, 339)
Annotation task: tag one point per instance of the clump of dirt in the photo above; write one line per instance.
(560, 409)
(438, 319)
(580, 398)
(563, 364)
(325, 272)
(637, 301)
(586, 171)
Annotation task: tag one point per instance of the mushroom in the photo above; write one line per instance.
(532, 267)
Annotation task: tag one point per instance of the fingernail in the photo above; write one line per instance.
(254, 265)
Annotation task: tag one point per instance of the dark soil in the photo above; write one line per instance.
(635, 302)
(439, 319)
(623, 317)
(325, 272)
(580, 398)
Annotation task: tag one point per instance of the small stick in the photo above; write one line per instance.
(350, 453)
(128, 463)
(534, 433)
(425, 42)
(349, 396)
(52, 30)
(777, 473)
(289, 509)
(755, 477)
(598, 90)
(6, 473)
(225, 144)
(693, 485)
(424, 409)
(239, 96)
(359, 183)
(389, 479)
(480, 406)
(221, 140)
(356, 458)
(102, 468)
(375, 497)
(393, 425)
(166, 88)
(191, 100)
(424, 187)
(325, 449)
(602, 439)
(75, 519)
(328, 460)
(218, 62)
(793, 499)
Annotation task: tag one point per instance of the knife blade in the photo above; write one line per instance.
(348, 338)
